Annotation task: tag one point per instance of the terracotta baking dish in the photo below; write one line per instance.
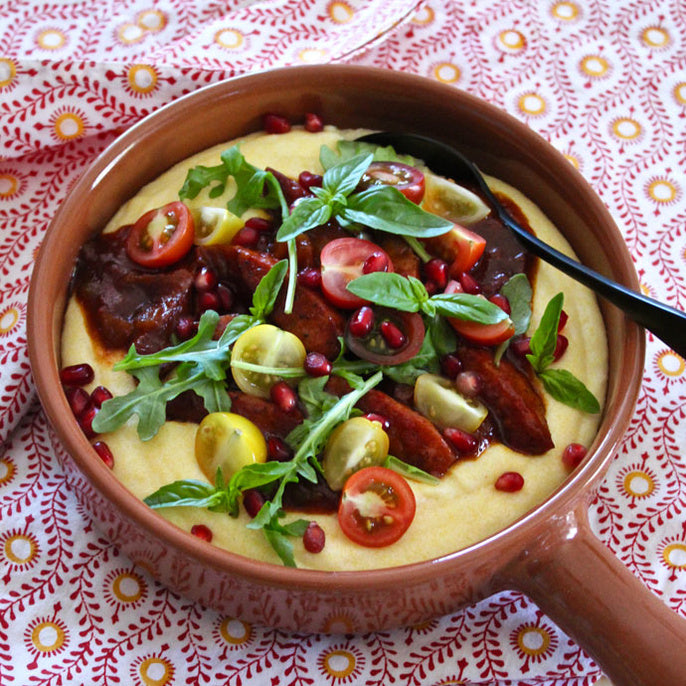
(550, 554)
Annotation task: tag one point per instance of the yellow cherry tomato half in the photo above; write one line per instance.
(229, 442)
(353, 445)
(216, 225)
(267, 346)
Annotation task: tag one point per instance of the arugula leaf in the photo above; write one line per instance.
(410, 471)
(348, 149)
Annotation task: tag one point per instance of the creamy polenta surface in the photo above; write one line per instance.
(462, 508)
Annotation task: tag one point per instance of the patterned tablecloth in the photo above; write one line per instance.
(604, 82)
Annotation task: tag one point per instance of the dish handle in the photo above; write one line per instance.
(580, 584)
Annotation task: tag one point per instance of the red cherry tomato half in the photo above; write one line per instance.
(408, 180)
(162, 236)
(377, 507)
(380, 348)
(343, 260)
(476, 332)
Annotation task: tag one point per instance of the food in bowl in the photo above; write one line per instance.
(324, 355)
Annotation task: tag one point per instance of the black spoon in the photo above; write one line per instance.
(667, 323)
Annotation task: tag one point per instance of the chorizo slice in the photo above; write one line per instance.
(515, 405)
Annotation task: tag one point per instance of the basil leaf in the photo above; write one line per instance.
(387, 289)
(565, 387)
(544, 340)
(185, 493)
(473, 308)
(307, 214)
(344, 177)
(518, 292)
(386, 209)
(267, 290)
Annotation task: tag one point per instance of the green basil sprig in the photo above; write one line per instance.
(560, 383)
(202, 366)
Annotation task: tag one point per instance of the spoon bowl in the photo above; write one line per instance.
(665, 322)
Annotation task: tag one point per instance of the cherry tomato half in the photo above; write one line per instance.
(460, 247)
(376, 508)
(476, 332)
(345, 259)
(379, 347)
(408, 180)
(162, 236)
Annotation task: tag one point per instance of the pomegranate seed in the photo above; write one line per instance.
(186, 328)
(85, 420)
(252, 501)
(393, 336)
(376, 262)
(463, 442)
(104, 452)
(225, 297)
(292, 190)
(374, 417)
(469, 284)
(283, 396)
(316, 364)
(510, 482)
(274, 123)
(309, 180)
(314, 538)
(521, 347)
(310, 277)
(260, 224)
(431, 287)
(451, 365)
(278, 449)
(202, 532)
(468, 384)
(99, 395)
(502, 302)
(313, 122)
(209, 300)
(560, 346)
(436, 271)
(205, 280)
(77, 375)
(78, 399)
(573, 455)
(362, 322)
(563, 320)
(247, 237)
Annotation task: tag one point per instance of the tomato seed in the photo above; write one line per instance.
(436, 271)
(374, 417)
(274, 123)
(376, 262)
(314, 538)
(510, 482)
(463, 442)
(78, 399)
(393, 336)
(573, 455)
(316, 364)
(309, 180)
(104, 452)
(99, 395)
(205, 280)
(283, 396)
(247, 237)
(469, 284)
(451, 365)
(202, 532)
(313, 122)
(362, 322)
(252, 501)
(310, 277)
(77, 375)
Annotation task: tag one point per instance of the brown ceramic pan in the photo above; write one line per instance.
(550, 554)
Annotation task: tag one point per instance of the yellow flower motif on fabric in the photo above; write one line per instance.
(594, 66)
(680, 93)
(626, 129)
(671, 364)
(533, 640)
(152, 670)
(9, 185)
(8, 70)
(313, 55)
(340, 12)
(510, 40)
(234, 631)
(532, 104)
(141, 79)
(424, 16)
(565, 11)
(130, 33)
(49, 636)
(7, 470)
(638, 484)
(9, 318)
(128, 587)
(20, 549)
(340, 623)
(655, 37)
(573, 160)
(151, 20)
(67, 124)
(51, 39)
(662, 190)
(447, 72)
(674, 555)
(229, 39)
(339, 664)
